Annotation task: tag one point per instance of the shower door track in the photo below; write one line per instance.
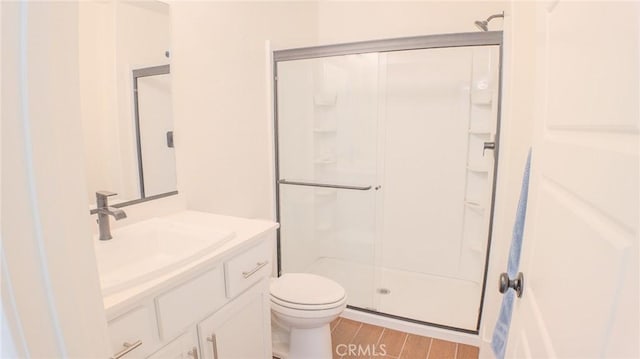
(464, 39)
(398, 44)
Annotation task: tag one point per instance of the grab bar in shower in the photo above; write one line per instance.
(325, 185)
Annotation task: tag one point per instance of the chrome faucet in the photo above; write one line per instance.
(104, 211)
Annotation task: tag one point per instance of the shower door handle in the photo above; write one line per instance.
(325, 185)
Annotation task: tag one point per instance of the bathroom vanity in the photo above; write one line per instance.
(213, 304)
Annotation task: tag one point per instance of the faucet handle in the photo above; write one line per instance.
(105, 194)
(101, 198)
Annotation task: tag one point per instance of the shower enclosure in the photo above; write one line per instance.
(385, 170)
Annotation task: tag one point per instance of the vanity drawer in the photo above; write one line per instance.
(190, 302)
(132, 327)
(248, 268)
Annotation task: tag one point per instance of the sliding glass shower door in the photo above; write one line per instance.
(439, 111)
(327, 132)
(386, 173)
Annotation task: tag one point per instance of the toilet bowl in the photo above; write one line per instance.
(303, 305)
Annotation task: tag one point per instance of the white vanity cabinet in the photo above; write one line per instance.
(133, 333)
(190, 301)
(218, 310)
(240, 330)
(183, 347)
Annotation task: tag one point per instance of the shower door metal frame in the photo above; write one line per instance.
(465, 39)
(135, 75)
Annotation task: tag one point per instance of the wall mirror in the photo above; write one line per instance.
(125, 85)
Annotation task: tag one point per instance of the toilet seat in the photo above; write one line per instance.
(311, 307)
(305, 291)
(307, 314)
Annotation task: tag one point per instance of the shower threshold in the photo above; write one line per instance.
(444, 302)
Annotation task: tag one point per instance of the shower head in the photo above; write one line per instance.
(484, 25)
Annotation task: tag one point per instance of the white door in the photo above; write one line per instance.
(580, 253)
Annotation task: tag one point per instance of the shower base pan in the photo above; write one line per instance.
(422, 297)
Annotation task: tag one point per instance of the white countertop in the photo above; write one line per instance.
(246, 232)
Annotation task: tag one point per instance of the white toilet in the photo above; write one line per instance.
(303, 305)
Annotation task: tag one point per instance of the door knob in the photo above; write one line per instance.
(516, 284)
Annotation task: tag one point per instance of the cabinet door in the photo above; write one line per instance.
(183, 347)
(135, 326)
(240, 330)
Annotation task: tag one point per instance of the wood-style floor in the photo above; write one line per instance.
(353, 339)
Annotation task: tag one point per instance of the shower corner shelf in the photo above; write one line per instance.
(474, 205)
(475, 248)
(482, 97)
(477, 168)
(479, 132)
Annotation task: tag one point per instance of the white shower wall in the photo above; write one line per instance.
(440, 109)
(426, 122)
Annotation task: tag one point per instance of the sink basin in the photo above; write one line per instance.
(145, 250)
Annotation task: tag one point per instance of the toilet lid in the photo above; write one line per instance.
(306, 289)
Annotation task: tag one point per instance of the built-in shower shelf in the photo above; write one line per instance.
(477, 168)
(482, 97)
(479, 132)
(475, 248)
(474, 205)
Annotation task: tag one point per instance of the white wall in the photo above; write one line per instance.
(115, 38)
(98, 103)
(346, 21)
(46, 245)
(221, 102)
